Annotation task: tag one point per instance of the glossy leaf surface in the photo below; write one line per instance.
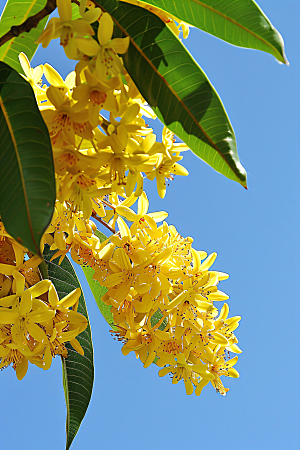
(239, 22)
(78, 371)
(27, 182)
(176, 88)
(15, 13)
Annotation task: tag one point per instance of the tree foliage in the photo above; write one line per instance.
(74, 153)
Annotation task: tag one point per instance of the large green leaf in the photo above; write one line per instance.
(239, 22)
(15, 13)
(27, 181)
(78, 371)
(177, 89)
(97, 290)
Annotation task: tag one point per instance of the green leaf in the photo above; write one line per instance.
(239, 22)
(15, 13)
(27, 181)
(78, 371)
(97, 290)
(75, 12)
(100, 235)
(157, 316)
(176, 88)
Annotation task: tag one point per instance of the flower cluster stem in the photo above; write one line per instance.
(94, 215)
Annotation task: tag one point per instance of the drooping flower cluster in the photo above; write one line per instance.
(34, 323)
(162, 295)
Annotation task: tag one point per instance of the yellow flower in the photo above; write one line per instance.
(167, 164)
(181, 369)
(125, 154)
(61, 229)
(97, 95)
(219, 366)
(105, 60)
(141, 219)
(66, 28)
(24, 314)
(54, 78)
(63, 122)
(33, 76)
(35, 330)
(145, 343)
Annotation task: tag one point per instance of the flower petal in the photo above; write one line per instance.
(25, 64)
(21, 368)
(26, 303)
(36, 332)
(70, 299)
(89, 47)
(105, 29)
(64, 10)
(120, 45)
(53, 76)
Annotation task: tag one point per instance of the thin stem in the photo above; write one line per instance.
(94, 215)
(109, 205)
(31, 22)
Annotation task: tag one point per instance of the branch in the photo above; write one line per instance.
(94, 215)
(31, 22)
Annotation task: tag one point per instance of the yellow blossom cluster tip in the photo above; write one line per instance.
(162, 296)
(34, 323)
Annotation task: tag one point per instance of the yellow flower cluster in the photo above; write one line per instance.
(34, 323)
(162, 295)
(95, 156)
(160, 289)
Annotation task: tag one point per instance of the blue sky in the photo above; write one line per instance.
(256, 236)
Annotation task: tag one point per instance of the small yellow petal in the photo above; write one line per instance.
(105, 29)
(76, 345)
(21, 368)
(124, 230)
(25, 64)
(64, 10)
(70, 299)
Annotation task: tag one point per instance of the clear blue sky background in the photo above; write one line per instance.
(256, 236)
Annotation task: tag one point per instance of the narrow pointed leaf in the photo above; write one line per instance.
(78, 371)
(15, 13)
(176, 88)
(239, 22)
(97, 290)
(27, 181)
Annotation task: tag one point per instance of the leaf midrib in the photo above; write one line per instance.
(174, 93)
(6, 116)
